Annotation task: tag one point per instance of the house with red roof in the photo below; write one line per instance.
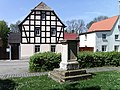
(70, 36)
(103, 36)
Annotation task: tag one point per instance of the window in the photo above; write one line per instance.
(116, 48)
(53, 31)
(43, 16)
(116, 37)
(53, 48)
(104, 36)
(37, 31)
(85, 37)
(37, 48)
(104, 48)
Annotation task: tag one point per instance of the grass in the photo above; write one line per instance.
(109, 80)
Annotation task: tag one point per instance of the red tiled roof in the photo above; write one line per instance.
(104, 25)
(70, 36)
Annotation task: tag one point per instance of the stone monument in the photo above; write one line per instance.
(69, 66)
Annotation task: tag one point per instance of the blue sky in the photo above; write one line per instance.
(14, 10)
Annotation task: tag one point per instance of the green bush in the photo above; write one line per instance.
(44, 61)
(48, 61)
(98, 59)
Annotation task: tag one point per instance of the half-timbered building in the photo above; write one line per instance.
(41, 31)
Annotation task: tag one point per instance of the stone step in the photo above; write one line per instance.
(77, 77)
(71, 72)
(57, 77)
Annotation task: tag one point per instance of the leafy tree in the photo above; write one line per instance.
(75, 26)
(99, 18)
(4, 31)
(14, 27)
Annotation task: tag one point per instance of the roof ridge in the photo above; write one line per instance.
(103, 25)
(105, 19)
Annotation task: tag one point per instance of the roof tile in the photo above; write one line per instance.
(104, 25)
(70, 36)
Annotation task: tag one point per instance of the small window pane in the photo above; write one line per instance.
(53, 48)
(85, 37)
(116, 37)
(53, 31)
(37, 48)
(116, 48)
(104, 48)
(37, 31)
(43, 16)
(103, 36)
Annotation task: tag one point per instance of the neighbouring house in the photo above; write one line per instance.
(103, 36)
(14, 49)
(71, 36)
(41, 31)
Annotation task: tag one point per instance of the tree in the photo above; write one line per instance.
(14, 27)
(4, 31)
(75, 26)
(99, 18)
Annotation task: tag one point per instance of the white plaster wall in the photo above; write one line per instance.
(47, 47)
(44, 47)
(27, 50)
(100, 41)
(89, 42)
(59, 48)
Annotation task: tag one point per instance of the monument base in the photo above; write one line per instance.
(72, 65)
(68, 75)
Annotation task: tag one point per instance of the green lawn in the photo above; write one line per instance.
(100, 81)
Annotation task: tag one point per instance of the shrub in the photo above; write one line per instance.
(44, 61)
(98, 59)
(48, 61)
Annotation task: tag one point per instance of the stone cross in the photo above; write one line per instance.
(69, 55)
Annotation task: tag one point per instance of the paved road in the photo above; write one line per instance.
(16, 68)
(19, 68)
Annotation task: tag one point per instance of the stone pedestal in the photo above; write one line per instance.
(69, 66)
(69, 55)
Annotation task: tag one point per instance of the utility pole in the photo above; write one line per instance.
(119, 14)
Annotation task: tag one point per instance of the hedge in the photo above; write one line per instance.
(44, 61)
(98, 59)
(48, 60)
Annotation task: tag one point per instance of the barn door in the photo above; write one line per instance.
(14, 51)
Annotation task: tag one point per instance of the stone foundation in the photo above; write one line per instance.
(62, 76)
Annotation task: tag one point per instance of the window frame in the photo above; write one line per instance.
(85, 37)
(43, 16)
(117, 36)
(117, 48)
(104, 48)
(37, 48)
(53, 31)
(53, 48)
(37, 31)
(104, 36)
